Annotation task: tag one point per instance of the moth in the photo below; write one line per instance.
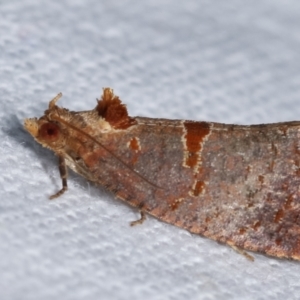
(235, 184)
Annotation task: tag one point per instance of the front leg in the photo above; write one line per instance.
(140, 220)
(63, 175)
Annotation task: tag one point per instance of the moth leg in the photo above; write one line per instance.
(140, 220)
(243, 252)
(63, 175)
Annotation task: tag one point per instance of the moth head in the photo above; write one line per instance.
(46, 131)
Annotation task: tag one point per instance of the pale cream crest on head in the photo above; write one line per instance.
(31, 126)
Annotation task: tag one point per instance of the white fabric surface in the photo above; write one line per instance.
(225, 61)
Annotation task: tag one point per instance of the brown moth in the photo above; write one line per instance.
(235, 184)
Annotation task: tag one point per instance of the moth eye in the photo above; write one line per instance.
(49, 131)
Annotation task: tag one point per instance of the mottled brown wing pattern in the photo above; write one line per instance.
(235, 184)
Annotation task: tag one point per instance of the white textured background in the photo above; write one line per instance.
(226, 61)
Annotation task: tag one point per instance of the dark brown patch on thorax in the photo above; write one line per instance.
(113, 111)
